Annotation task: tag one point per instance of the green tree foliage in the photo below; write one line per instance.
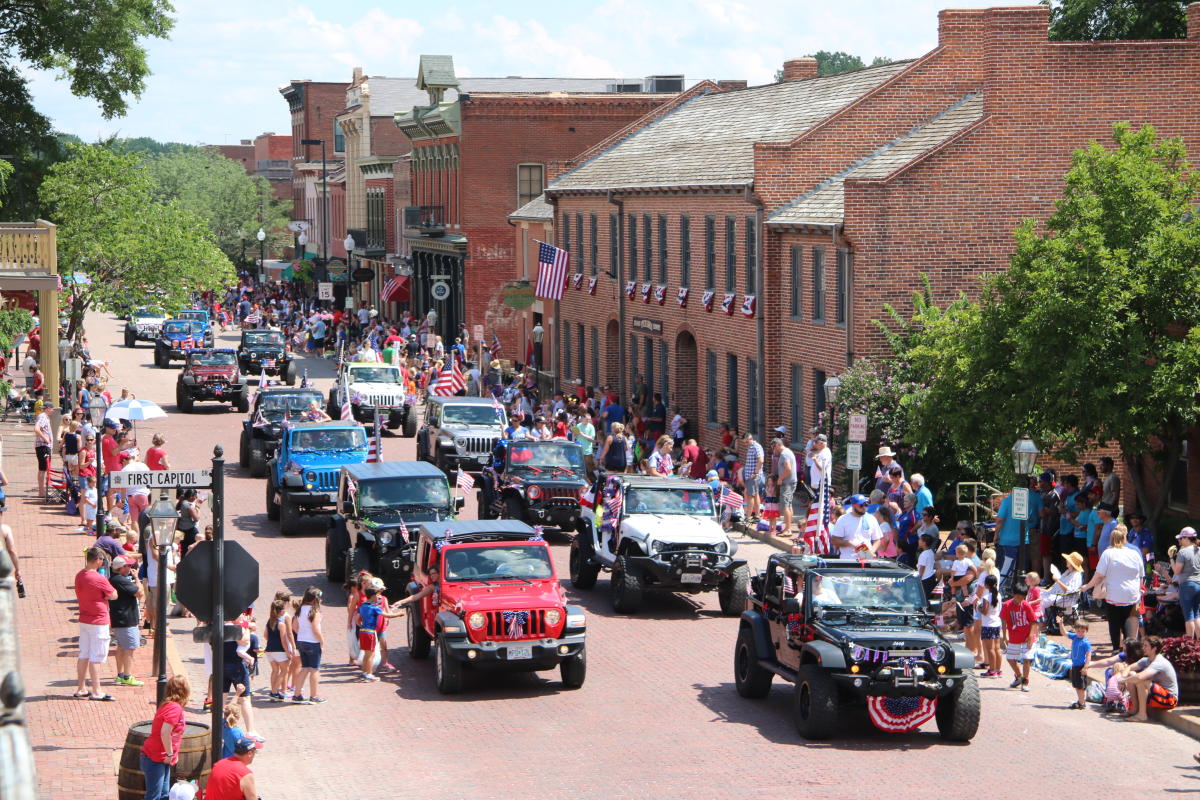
(1093, 334)
(13, 322)
(129, 244)
(27, 142)
(1091, 20)
(151, 147)
(832, 63)
(219, 191)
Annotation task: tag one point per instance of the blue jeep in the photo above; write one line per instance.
(175, 339)
(303, 475)
(201, 316)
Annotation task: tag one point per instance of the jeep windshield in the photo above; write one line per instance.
(498, 563)
(557, 457)
(472, 415)
(147, 312)
(211, 359)
(669, 500)
(273, 405)
(320, 440)
(866, 592)
(199, 316)
(262, 338)
(397, 493)
(181, 327)
(374, 375)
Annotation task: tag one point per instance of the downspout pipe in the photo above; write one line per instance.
(839, 244)
(759, 315)
(622, 378)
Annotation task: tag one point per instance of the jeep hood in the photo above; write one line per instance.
(213, 372)
(508, 595)
(318, 460)
(362, 387)
(884, 637)
(674, 528)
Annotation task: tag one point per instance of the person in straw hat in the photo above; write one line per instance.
(1063, 594)
(887, 460)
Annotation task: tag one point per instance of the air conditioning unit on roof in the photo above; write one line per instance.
(625, 87)
(664, 83)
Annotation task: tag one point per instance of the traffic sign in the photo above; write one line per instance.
(858, 428)
(853, 455)
(324, 291)
(1020, 503)
(477, 332)
(193, 580)
(161, 479)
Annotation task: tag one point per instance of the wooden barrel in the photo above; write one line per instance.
(194, 762)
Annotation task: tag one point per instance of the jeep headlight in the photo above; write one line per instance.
(722, 547)
(310, 476)
(938, 653)
(460, 442)
(553, 616)
(656, 546)
(477, 619)
(386, 537)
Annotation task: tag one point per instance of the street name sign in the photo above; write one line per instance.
(161, 479)
(1020, 503)
(858, 429)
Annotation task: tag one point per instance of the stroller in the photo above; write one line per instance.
(1062, 612)
(18, 405)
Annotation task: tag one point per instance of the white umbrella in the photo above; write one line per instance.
(134, 410)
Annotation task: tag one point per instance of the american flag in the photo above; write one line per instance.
(816, 526)
(552, 271)
(613, 504)
(449, 381)
(403, 530)
(496, 348)
(392, 284)
(375, 445)
(347, 412)
(731, 498)
(464, 481)
(588, 498)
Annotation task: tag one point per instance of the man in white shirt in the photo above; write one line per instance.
(820, 461)
(857, 534)
(29, 368)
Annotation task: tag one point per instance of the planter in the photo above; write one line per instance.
(1189, 687)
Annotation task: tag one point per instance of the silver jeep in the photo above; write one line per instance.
(460, 432)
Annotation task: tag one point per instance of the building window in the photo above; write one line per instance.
(751, 256)
(752, 395)
(819, 391)
(633, 363)
(731, 379)
(664, 371)
(566, 235)
(796, 423)
(843, 286)
(649, 362)
(662, 248)
(818, 279)
(595, 244)
(376, 228)
(595, 350)
(339, 139)
(564, 364)
(613, 237)
(796, 294)
(710, 370)
(710, 252)
(648, 247)
(530, 182)
(685, 250)
(632, 234)
(581, 350)
(731, 253)
(579, 251)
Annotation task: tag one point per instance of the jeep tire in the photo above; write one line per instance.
(816, 701)
(514, 508)
(958, 713)
(573, 669)
(409, 429)
(750, 679)
(395, 419)
(418, 639)
(583, 569)
(184, 400)
(732, 592)
(626, 587)
(337, 542)
(159, 360)
(258, 462)
(272, 506)
(481, 503)
(130, 338)
(244, 449)
(289, 374)
(358, 559)
(241, 401)
(449, 673)
(289, 514)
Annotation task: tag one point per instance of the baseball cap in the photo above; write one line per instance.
(245, 745)
(1187, 533)
(376, 583)
(855, 500)
(822, 437)
(711, 475)
(121, 561)
(182, 790)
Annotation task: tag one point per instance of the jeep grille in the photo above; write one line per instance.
(382, 400)
(536, 629)
(679, 548)
(327, 480)
(480, 445)
(563, 495)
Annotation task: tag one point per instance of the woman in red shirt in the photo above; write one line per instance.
(161, 750)
(156, 456)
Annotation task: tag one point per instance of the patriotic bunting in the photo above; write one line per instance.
(629, 289)
(749, 303)
(660, 294)
(707, 299)
(682, 296)
(591, 285)
(727, 303)
(645, 293)
(578, 279)
(900, 714)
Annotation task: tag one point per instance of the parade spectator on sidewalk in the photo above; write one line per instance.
(137, 496)
(231, 778)
(161, 749)
(92, 593)
(306, 626)
(1081, 652)
(1119, 573)
(1186, 568)
(787, 481)
(123, 614)
(1110, 485)
(1152, 682)
(42, 443)
(584, 432)
(617, 453)
(886, 459)
(752, 477)
(156, 454)
(697, 459)
(924, 496)
(189, 516)
(1020, 631)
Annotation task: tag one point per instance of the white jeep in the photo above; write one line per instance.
(372, 386)
(659, 533)
(143, 325)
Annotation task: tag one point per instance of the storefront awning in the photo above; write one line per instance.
(397, 290)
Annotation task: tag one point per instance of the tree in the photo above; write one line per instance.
(129, 244)
(1092, 336)
(1092, 20)
(217, 189)
(832, 63)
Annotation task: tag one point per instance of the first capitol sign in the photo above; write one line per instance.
(161, 479)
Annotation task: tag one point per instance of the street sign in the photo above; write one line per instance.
(193, 579)
(161, 479)
(1020, 503)
(72, 369)
(324, 291)
(362, 274)
(477, 332)
(858, 428)
(853, 455)
(439, 291)
(202, 634)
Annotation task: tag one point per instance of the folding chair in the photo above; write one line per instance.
(58, 489)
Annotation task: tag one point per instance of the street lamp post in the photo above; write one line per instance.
(833, 385)
(538, 333)
(1024, 455)
(163, 519)
(324, 200)
(262, 255)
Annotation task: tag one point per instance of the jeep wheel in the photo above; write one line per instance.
(448, 671)
(418, 639)
(513, 508)
(184, 400)
(258, 462)
(573, 669)
(582, 568)
(130, 338)
(242, 401)
(272, 506)
(626, 587)
(358, 559)
(484, 511)
(244, 449)
(958, 714)
(732, 592)
(410, 423)
(816, 703)
(395, 419)
(750, 679)
(289, 374)
(337, 542)
(158, 357)
(289, 515)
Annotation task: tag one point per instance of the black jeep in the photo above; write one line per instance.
(263, 350)
(844, 631)
(260, 430)
(536, 482)
(376, 504)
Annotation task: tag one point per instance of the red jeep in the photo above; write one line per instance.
(211, 374)
(496, 605)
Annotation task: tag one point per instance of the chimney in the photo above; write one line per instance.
(797, 69)
(1193, 22)
(727, 85)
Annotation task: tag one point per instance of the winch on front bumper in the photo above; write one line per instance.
(694, 568)
(924, 681)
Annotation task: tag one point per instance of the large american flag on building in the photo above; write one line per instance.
(816, 525)
(552, 271)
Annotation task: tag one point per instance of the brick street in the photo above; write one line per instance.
(658, 714)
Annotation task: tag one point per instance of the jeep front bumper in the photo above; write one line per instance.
(468, 462)
(558, 514)
(521, 655)
(308, 498)
(891, 682)
(687, 570)
(219, 392)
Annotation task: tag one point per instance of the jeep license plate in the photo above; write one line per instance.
(691, 577)
(481, 459)
(520, 653)
(270, 362)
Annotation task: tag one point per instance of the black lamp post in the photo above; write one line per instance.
(262, 255)
(1024, 454)
(833, 385)
(163, 520)
(324, 200)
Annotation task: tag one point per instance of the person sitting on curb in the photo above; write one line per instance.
(1151, 683)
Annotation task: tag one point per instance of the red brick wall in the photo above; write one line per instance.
(241, 153)
(272, 147)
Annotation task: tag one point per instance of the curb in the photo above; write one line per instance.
(1184, 719)
(778, 542)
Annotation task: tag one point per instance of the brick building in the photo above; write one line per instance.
(314, 107)
(242, 153)
(273, 162)
(813, 202)
(479, 156)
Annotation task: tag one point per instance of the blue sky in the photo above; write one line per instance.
(216, 80)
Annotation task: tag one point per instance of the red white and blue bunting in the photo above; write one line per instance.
(707, 299)
(591, 285)
(900, 714)
(578, 279)
(660, 294)
(682, 296)
(645, 293)
(749, 303)
(727, 303)
(860, 653)
(629, 289)
(516, 621)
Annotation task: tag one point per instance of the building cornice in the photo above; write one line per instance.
(376, 166)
